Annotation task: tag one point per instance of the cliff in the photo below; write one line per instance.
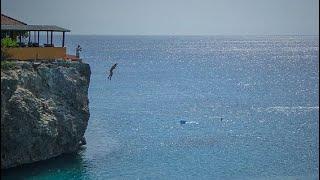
(44, 110)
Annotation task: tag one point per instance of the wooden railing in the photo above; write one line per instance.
(35, 53)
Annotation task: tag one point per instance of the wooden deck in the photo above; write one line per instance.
(31, 53)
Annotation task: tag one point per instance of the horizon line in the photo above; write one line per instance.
(193, 34)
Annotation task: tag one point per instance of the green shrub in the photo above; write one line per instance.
(8, 42)
(8, 64)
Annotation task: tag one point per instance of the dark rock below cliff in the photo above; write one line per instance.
(44, 110)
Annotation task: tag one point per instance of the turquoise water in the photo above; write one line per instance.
(265, 88)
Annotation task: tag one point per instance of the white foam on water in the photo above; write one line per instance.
(287, 109)
(192, 122)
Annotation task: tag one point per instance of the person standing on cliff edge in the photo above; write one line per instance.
(111, 71)
(78, 49)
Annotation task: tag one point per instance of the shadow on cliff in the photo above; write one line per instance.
(67, 165)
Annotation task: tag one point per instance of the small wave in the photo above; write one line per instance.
(192, 122)
(287, 109)
(242, 84)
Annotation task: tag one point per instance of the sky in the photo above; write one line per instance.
(171, 17)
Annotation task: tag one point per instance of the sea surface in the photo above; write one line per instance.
(250, 104)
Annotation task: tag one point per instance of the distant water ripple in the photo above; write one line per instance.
(265, 89)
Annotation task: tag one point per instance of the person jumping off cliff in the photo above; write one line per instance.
(111, 71)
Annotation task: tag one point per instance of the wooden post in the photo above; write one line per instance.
(29, 37)
(47, 37)
(38, 37)
(63, 36)
(19, 36)
(11, 35)
(34, 38)
(51, 37)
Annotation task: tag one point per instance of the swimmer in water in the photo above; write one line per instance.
(182, 122)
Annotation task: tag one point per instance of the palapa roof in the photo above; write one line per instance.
(11, 24)
(10, 21)
(33, 28)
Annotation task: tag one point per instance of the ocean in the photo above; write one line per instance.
(250, 104)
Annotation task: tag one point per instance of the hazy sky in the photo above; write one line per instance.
(171, 17)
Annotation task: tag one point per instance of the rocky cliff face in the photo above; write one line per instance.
(44, 110)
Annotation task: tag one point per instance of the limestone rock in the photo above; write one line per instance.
(44, 110)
